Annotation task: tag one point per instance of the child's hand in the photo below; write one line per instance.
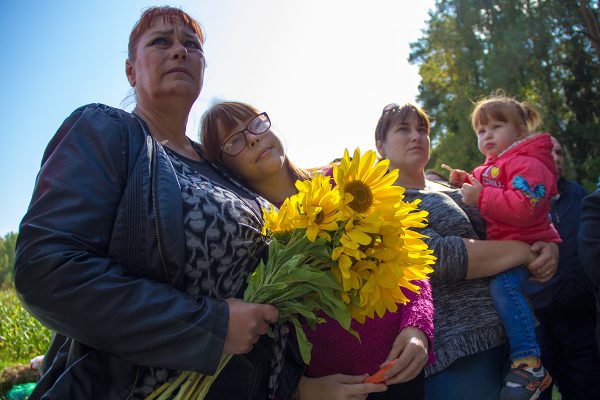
(470, 191)
(457, 176)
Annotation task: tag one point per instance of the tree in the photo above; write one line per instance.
(540, 51)
(589, 12)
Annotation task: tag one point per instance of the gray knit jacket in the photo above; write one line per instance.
(465, 320)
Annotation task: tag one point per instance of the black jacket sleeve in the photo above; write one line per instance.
(66, 276)
(589, 236)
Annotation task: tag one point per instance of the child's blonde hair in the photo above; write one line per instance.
(506, 109)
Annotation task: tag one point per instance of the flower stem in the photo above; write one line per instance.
(172, 387)
(200, 390)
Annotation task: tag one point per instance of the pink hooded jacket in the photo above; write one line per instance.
(517, 187)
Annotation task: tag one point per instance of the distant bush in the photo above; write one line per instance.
(22, 337)
(7, 259)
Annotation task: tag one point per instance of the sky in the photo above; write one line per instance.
(322, 69)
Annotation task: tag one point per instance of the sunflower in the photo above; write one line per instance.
(286, 219)
(348, 276)
(380, 254)
(366, 184)
(320, 204)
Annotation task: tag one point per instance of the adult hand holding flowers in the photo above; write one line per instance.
(247, 322)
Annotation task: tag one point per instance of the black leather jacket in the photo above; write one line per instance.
(104, 236)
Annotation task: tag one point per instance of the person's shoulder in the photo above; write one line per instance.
(102, 111)
(107, 124)
(590, 205)
(576, 187)
(593, 197)
(103, 120)
(433, 194)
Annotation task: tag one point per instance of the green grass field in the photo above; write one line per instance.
(22, 337)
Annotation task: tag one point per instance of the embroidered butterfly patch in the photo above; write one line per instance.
(534, 194)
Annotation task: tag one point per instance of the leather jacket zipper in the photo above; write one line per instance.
(153, 165)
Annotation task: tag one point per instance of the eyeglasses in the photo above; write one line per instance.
(389, 108)
(235, 143)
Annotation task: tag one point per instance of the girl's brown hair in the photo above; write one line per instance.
(505, 109)
(224, 118)
(168, 14)
(399, 114)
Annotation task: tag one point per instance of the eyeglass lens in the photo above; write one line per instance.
(259, 124)
(237, 142)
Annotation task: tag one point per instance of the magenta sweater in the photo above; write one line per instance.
(337, 351)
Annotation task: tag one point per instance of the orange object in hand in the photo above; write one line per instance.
(377, 377)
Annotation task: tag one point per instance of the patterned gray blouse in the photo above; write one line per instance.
(223, 240)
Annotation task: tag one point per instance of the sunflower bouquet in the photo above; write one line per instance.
(343, 250)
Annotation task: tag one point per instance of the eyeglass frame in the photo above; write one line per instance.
(388, 108)
(243, 131)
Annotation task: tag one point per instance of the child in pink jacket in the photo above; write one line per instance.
(512, 190)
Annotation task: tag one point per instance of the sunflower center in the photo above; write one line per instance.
(363, 197)
(319, 217)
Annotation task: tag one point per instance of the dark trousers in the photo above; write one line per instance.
(411, 390)
(570, 354)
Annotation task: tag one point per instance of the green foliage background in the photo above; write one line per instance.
(545, 52)
(7, 259)
(22, 337)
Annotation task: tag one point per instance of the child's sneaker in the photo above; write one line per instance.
(525, 382)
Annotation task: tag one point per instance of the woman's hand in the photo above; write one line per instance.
(247, 322)
(411, 349)
(337, 387)
(543, 268)
(457, 176)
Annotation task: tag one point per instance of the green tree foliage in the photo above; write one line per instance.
(540, 51)
(7, 259)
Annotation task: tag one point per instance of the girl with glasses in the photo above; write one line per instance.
(239, 137)
(471, 350)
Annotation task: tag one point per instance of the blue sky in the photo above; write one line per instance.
(322, 69)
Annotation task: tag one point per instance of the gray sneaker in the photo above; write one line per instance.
(525, 382)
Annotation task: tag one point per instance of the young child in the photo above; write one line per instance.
(512, 190)
(239, 138)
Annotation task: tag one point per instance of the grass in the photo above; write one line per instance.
(22, 337)
(555, 393)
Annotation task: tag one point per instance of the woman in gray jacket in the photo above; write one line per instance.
(470, 343)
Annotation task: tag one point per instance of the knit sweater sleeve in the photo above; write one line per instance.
(418, 313)
(472, 212)
(447, 225)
